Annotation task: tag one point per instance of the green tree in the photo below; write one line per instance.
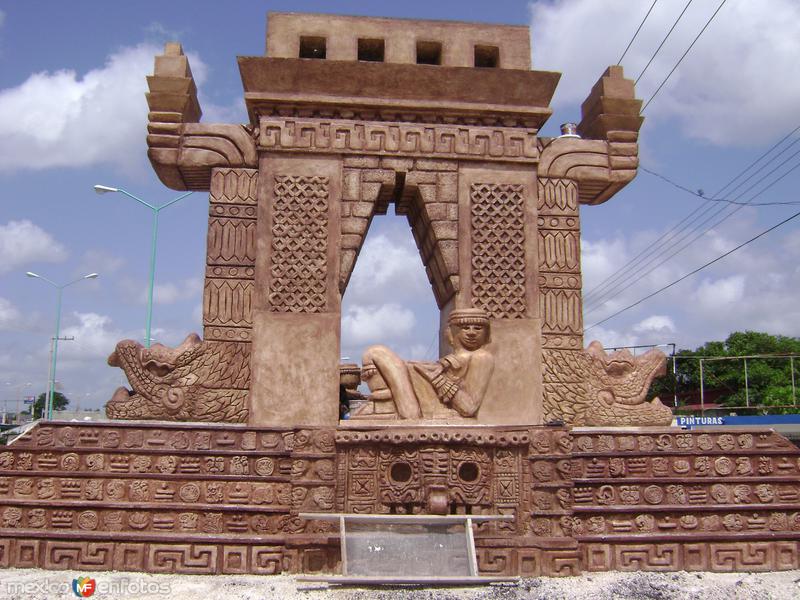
(60, 402)
(769, 379)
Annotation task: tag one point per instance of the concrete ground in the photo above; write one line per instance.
(34, 584)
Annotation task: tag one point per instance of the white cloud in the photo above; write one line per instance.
(62, 119)
(389, 268)
(727, 84)
(164, 293)
(655, 324)
(755, 289)
(9, 315)
(235, 112)
(720, 293)
(373, 324)
(197, 314)
(611, 338)
(23, 242)
(600, 259)
(169, 293)
(101, 261)
(95, 339)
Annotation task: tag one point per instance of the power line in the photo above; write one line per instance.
(638, 29)
(697, 270)
(676, 229)
(756, 161)
(697, 37)
(703, 196)
(675, 24)
(617, 290)
(699, 208)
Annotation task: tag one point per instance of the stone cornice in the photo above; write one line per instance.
(440, 92)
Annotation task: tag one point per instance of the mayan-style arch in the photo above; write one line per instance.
(493, 207)
(332, 139)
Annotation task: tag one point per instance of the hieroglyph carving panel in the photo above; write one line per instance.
(299, 265)
(498, 249)
(412, 139)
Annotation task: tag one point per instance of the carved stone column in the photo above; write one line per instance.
(498, 273)
(560, 296)
(297, 314)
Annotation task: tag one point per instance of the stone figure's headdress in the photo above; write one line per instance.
(468, 316)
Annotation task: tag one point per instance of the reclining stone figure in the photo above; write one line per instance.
(453, 387)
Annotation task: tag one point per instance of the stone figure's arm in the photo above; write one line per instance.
(380, 395)
(467, 400)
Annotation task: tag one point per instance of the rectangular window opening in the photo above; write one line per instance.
(312, 47)
(429, 53)
(487, 56)
(370, 50)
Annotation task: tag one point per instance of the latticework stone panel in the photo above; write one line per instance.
(299, 260)
(498, 249)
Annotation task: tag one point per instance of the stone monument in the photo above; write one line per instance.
(223, 442)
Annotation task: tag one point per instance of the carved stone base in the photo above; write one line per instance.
(195, 498)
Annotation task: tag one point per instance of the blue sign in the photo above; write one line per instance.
(692, 421)
(761, 420)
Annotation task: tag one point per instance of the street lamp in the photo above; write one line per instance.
(104, 189)
(54, 346)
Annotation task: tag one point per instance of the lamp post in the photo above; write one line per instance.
(19, 387)
(54, 346)
(104, 189)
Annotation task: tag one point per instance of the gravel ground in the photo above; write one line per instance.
(34, 584)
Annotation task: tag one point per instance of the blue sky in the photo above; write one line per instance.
(72, 114)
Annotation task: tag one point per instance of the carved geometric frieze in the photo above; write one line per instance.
(555, 341)
(559, 280)
(234, 186)
(558, 222)
(557, 196)
(231, 241)
(559, 251)
(409, 139)
(230, 256)
(298, 262)
(228, 302)
(228, 334)
(498, 249)
(561, 311)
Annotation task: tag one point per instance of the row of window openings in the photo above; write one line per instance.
(372, 50)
